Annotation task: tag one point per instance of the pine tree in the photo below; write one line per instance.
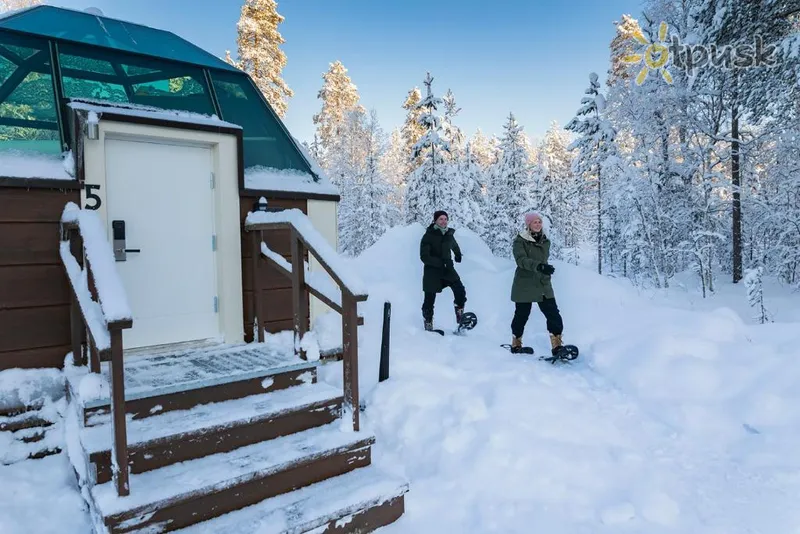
(11, 5)
(428, 186)
(259, 51)
(412, 129)
(484, 150)
(595, 144)
(507, 198)
(365, 212)
(339, 97)
(393, 165)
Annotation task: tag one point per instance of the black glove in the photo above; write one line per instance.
(458, 259)
(448, 263)
(545, 268)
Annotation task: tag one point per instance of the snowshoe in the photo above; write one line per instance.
(518, 350)
(563, 353)
(468, 322)
(429, 328)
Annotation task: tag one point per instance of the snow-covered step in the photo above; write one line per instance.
(177, 436)
(29, 443)
(182, 494)
(360, 501)
(157, 383)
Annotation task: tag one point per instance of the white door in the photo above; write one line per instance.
(163, 193)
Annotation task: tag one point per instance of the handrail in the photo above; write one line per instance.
(303, 236)
(100, 321)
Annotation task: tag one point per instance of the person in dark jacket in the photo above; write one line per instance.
(437, 250)
(532, 283)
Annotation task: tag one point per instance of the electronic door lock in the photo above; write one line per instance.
(120, 252)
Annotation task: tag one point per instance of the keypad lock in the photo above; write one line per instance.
(120, 252)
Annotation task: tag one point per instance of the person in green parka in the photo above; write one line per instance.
(532, 283)
(437, 250)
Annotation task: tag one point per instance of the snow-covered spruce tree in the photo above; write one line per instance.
(557, 192)
(366, 212)
(412, 129)
(754, 283)
(507, 198)
(259, 51)
(429, 188)
(452, 133)
(484, 150)
(594, 144)
(393, 166)
(470, 197)
(339, 97)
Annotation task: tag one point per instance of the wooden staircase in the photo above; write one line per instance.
(227, 439)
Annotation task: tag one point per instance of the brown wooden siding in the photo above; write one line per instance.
(278, 294)
(34, 292)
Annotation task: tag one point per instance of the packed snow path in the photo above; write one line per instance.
(671, 421)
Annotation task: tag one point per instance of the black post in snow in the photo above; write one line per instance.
(383, 372)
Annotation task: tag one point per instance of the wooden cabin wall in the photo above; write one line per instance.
(34, 291)
(278, 294)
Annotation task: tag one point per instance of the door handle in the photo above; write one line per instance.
(120, 252)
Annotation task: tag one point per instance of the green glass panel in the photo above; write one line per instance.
(123, 78)
(28, 118)
(265, 142)
(85, 28)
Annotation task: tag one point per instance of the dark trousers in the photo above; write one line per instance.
(459, 298)
(550, 310)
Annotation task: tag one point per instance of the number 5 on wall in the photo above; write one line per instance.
(92, 196)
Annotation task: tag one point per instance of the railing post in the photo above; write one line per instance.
(350, 354)
(255, 240)
(383, 371)
(120, 450)
(298, 289)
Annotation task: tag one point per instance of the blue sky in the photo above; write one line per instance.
(529, 57)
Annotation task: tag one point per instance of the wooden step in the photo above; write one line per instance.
(165, 382)
(206, 429)
(186, 493)
(29, 443)
(360, 501)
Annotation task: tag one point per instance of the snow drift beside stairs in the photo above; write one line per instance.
(672, 420)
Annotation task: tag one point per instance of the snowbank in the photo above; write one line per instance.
(29, 388)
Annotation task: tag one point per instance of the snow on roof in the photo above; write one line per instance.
(271, 179)
(135, 110)
(18, 164)
(303, 225)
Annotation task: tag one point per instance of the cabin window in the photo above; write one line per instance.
(265, 142)
(28, 119)
(117, 77)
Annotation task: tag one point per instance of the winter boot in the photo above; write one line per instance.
(428, 325)
(516, 344)
(459, 314)
(555, 343)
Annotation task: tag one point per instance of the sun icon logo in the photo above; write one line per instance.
(655, 56)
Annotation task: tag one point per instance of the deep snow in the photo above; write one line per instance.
(672, 420)
(677, 418)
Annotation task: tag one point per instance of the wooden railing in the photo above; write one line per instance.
(305, 282)
(97, 316)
